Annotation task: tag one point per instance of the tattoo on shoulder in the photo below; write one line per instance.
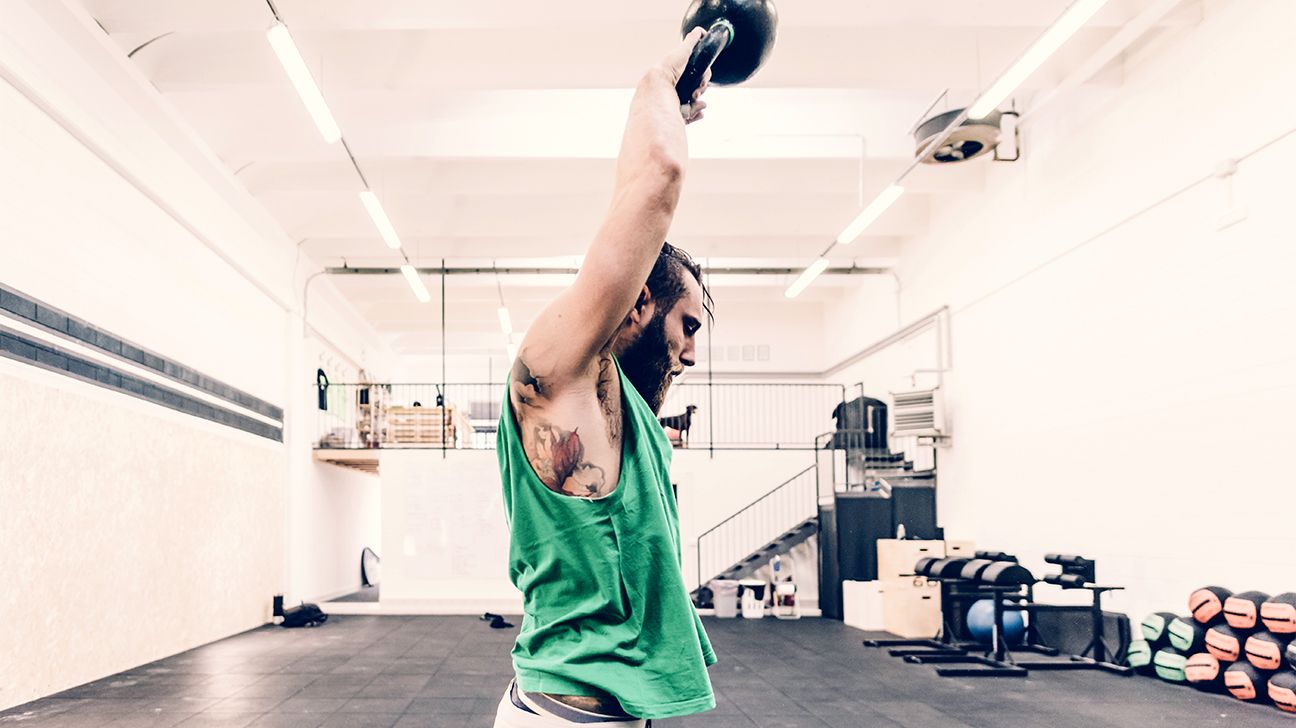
(560, 463)
(524, 386)
(609, 400)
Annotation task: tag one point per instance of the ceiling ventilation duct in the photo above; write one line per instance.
(973, 138)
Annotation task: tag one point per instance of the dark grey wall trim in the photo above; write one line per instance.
(70, 327)
(14, 345)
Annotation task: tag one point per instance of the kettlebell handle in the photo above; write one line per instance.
(717, 38)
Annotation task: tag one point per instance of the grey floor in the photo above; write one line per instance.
(366, 594)
(451, 671)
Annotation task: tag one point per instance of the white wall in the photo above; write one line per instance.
(173, 531)
(445, 540)
(133, 532)
(1122, 371)
(751, 335)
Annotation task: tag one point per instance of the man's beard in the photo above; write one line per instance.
(646, 363)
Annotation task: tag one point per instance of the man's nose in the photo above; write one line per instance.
(687, 357)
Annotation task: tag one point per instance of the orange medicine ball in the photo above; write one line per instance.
(1207, 603)
(1224, 643)
(1282, 691)
(1265, 649)
(1279, 614)
(1204, 672)
(1242, 611)
(1245, 682)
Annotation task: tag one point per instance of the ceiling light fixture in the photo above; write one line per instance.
(380, 219)
(416, 283)
(295, 66)
(506, 322)
(1072, 19)
(870, 214)
(1075, 16)
(806, 278)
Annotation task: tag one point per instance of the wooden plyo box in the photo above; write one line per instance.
(897, 558)
(911, 607)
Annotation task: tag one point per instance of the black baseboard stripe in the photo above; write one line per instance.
(14, 345)
(61, 323)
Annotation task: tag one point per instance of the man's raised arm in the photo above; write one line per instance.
(564, 340)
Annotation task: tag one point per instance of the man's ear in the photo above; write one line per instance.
(639, 314)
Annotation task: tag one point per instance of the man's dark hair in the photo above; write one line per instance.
(666, 282)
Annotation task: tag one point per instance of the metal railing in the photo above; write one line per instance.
(753, 416)
(754, 527)
(358, 416)
(465, 416)
(857, 460)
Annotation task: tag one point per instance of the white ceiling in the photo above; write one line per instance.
(489, 129)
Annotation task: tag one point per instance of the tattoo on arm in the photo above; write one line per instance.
(525, 388)
(560, 463)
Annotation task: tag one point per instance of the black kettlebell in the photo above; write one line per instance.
(740, 35)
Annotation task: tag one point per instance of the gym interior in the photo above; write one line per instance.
(988, 429)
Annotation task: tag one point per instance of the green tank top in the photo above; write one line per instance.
(605, 605)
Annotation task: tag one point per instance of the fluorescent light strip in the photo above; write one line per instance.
(380, 219)
(506, 322)
(420, 290)
(870, 214)
(806, 278)
(295, 66)
(1072, 20)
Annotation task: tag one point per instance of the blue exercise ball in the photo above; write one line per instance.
(980, 623)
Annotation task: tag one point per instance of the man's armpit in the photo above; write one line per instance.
(525, 388)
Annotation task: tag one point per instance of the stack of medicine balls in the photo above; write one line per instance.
(1244, 644)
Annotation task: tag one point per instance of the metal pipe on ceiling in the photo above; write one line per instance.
(483, 270)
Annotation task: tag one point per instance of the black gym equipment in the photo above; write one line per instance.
(1006, 573)
(995, 556)
(973, 569)
(955, 591)
(923, 567)
(739, 37)
(1079, 572)
(1076, 570)
(998, 577)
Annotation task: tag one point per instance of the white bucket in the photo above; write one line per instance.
(725, 598)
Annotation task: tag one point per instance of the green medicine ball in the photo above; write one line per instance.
(1186, 635)
(1170, 664)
